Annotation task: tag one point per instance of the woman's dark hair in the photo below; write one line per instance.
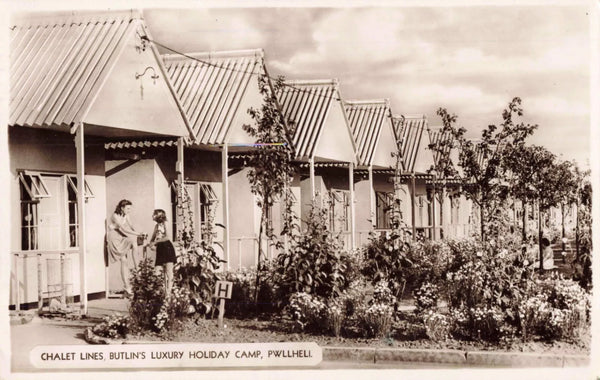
(161, 215)
(121, 205)
(545, 242)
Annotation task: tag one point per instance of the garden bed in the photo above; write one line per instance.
(280, 330)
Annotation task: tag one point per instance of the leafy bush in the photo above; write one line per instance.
(114, 327)
(403, 329)
(148, 295)
(429, 262)
(315, 262)
(437, 326)
(386, 257)
(196, 270)
(242, 303)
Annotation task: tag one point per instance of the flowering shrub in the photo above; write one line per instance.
(437, 326)
(559, 309)
(479, 323)
(307, 311)
(426, 297)
(377, 319)
(173, 309)
(116, 326)
(148, 295)
(382, 293)
(335, 314)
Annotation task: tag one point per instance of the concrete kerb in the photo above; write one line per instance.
(478, 358)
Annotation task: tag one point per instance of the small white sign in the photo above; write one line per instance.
(193, 355)
(223, 289)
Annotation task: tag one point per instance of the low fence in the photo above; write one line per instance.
(54, 276)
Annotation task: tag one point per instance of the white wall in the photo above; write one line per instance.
(43, 150)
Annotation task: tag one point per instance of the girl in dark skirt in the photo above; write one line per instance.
(165, 251)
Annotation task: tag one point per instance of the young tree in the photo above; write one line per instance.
(483, 174)
(537, 176)
(270, 164)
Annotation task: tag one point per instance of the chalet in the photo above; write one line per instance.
(373, 133)
(325, 152)
(76, 81)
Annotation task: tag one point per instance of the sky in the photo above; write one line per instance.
(470, 60)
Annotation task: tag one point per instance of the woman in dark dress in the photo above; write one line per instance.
(165, 251)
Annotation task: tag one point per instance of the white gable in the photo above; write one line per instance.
(386, 145)
(335, 142)
(143, 104)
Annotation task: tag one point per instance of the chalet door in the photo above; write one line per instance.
(51, 215)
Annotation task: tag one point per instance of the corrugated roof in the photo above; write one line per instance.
(210, 90)
(438, 136)
(306, 104)
(366, 119)
(409, 133)
(57, 64)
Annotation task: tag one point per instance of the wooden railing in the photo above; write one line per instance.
(21, 257)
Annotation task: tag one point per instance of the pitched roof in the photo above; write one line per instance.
(211, 86)
(64, 65)
(307, 104)
(366, 119)
(409, 133)
(58, 64)
(437, 136)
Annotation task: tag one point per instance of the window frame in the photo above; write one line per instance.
(38, 191)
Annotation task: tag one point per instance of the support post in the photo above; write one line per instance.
(39, 279)
(433, 211)
(413, 206)
(239, 247)
(442, 203)
(18, 282)
(225, 180)
(372, 199)
(352, 224)
(221, 312)
(80, 146)
(311, 174)
(63, 290)
(180, 180)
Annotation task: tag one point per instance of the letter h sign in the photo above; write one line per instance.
(223, 289)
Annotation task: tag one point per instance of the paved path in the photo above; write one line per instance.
(41, 332)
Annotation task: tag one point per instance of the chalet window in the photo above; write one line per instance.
(49, 210)
(339, 210)
(383, 203)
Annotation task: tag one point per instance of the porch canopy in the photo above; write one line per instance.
(89, 73)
